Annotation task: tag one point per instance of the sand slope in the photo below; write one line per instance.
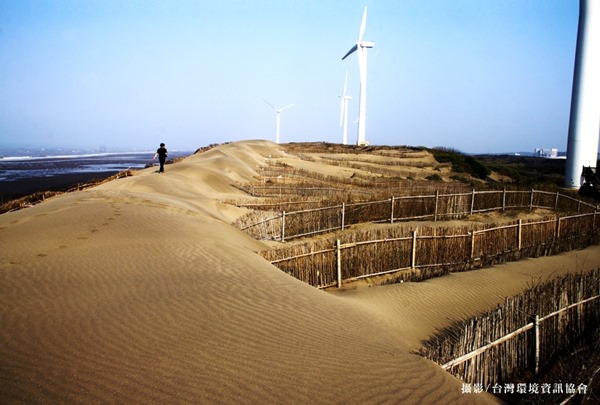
(139, 291)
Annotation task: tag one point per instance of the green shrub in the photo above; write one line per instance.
(461, 163)
(434, 177)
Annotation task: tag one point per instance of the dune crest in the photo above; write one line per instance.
(140, 291)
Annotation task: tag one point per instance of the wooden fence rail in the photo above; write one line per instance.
(501, 345)
(416, 256)
(532, 325)
(295, 224)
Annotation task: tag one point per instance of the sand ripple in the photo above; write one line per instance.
(116, 295)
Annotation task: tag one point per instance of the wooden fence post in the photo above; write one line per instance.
(531, 200)
(536, 324)
(343, 214)
(413, 257)
(472, 201)
(283, 226)
(556, 201)
(558, 228)
(504, 199)
(339, 263)
(437, 196)
(472, 255)
(519, 239)
(392, 211)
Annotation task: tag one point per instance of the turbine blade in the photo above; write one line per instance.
(363, 25)
(353, 49)
(345, 84)
(269, 104)
(287, 106)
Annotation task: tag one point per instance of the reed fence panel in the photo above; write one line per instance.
(373, 211)
(432, 251)
(487, 201)
(452, 206)
(315, 267)
(496, 243)
(414, 207)
(357, 257)
(442, 250)
(538, 238)
(310, 222)
(502, 344)
(545, 199)
(517, 199)
(438, 206)
(263, 225)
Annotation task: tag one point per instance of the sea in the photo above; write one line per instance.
(25, 171)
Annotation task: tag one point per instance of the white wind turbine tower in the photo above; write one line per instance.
(582, 143)
(278, 111)
(344, 111)
(361, 48)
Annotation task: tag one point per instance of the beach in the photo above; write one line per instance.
(24, 175)
(140, 290)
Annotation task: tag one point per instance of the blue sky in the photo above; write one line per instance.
(480, 76)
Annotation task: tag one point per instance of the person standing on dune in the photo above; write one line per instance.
(162, 157)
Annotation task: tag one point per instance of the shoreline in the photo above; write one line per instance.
(14, 189)
(67, 174)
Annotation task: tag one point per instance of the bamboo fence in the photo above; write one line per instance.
(526, 333)
(288, 225)
(419, 254)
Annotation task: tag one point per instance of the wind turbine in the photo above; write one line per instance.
(278, 111)
(361, 49)
(582, 142)
(344, 111)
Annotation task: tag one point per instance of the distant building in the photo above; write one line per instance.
(546, 153)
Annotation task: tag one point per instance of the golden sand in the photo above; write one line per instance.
(140, 291)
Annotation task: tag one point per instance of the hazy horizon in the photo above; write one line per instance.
(480, 77)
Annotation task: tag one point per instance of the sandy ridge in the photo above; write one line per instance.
(139, 291)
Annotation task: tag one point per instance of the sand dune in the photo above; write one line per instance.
(139, 291)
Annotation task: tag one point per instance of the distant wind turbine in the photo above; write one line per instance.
(361, 48)
(344, 111)
(278, 111)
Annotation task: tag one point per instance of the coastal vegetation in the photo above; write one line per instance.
(461, 163)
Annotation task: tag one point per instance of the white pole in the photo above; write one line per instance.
(362, 102)
(345, 135)
(582, 144)
(536, 323)
(413, 256)
(277, 134)
(339, 263)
